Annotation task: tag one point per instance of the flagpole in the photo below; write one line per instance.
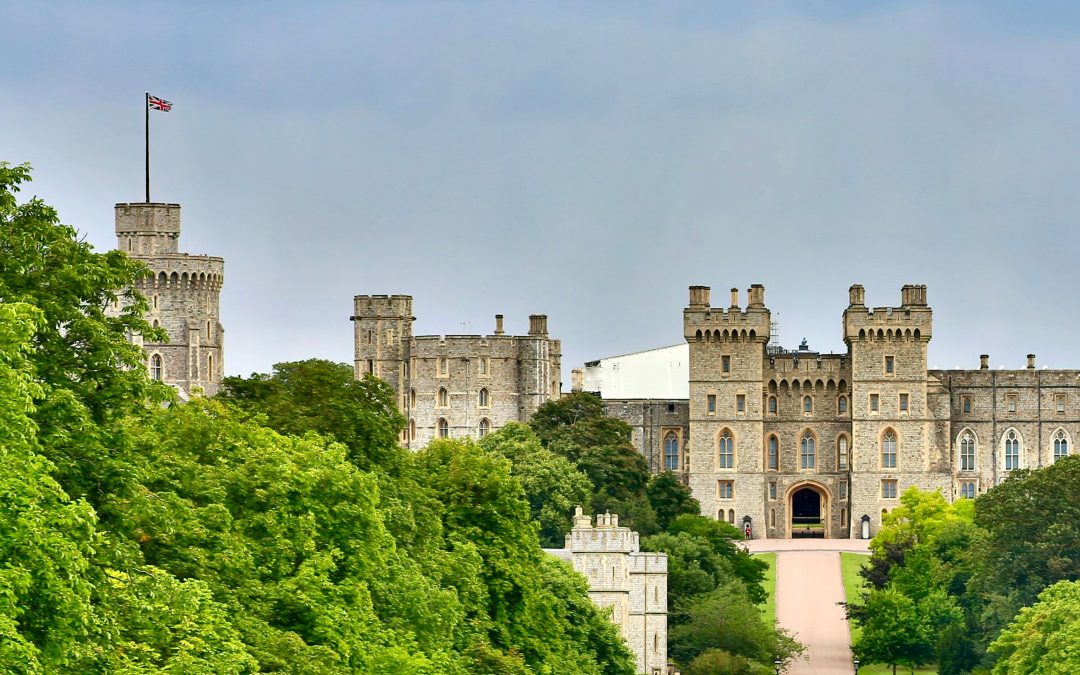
(146, 110)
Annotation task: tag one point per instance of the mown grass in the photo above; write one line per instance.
(850, 564)
(769, 609)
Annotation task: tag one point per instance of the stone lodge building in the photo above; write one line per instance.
(184, 293)
(632, 583)
(782, 439)
(454, 386)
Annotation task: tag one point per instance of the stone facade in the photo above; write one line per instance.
(764, 424)
(454, 386)
(631, 583)
(184, 294)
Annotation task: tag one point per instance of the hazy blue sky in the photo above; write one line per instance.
(584, 160)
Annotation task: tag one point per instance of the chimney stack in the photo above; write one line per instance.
(734, 298)
(499, 324)
(856, 295)
(756, 296)
(577, 379)
(538, 324)
(984, 361)
(699, 297)
(1031, 361)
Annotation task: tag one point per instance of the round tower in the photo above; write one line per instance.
(184, 294)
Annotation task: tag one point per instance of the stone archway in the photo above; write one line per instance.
(808, 507)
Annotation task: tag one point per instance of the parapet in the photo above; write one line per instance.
(702, 322)
(146, 229)
(912, 320)
(382, 307)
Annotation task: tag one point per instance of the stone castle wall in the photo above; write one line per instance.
(183, 292)
(468, 385)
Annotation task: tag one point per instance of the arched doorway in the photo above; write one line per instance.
(808, 511)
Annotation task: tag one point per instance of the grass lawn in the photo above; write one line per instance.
(850, 564)
(769, 610)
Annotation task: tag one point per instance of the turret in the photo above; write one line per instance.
(382, 330)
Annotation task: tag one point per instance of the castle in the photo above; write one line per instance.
(631, 583)
(184, 293)
(792, 442)
(454, 386)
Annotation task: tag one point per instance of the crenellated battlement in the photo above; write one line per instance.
(912, 320)
(702, 322)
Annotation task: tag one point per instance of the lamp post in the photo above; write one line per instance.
(778, 663)
(855, 662)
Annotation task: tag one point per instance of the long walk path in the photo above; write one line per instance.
(808, 586)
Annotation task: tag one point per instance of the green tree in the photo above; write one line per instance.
(90, 376)
(669, 499)
(892, 632)
(1043, 639)
(720, 662)
(722, 537)
(553, 485)
(323, 396)
(726, 619)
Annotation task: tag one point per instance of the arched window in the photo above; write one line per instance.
(772, 517)
(157, 369)
(806, 450)
(1012, 450)
(807, 404)
(731, 516)
(967, 451)
(843, 517)
(209, 366)
(1061, 445)
(412, 430)
(155, 302)
(157, 324)
(208, 335)
(485, 427)
(888, 450)
(412, 398)
(773, 454)
(483, 365)
(841, 452)
(444, 428)
(772, 405)
(841, 405)
(671, 452)
(483, 399)
(725, 451)
(444, 398)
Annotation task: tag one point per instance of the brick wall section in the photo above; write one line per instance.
(518, 372)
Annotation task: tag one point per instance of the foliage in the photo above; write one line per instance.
(670, 499)
(722, 537)
(323, 396)
(720, 662)
(891, 631)
(726, 619)
(553, 485)
(89, 375)
(1043, 639)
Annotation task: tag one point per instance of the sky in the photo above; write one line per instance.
(588, 161)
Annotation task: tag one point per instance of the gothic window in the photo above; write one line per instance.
(483, 365)
(731, 516)
(157, 370)
(412, 398)
(806, 450)
(888, 450)
(208, 335)
(671, 452)
(1010, 402)
(412, 430)
(842, 452)
(443, 367)
(1012, 450)
(1061, 445)
(209, 366)
(482, 399)
(807, 405)
(155, 302)
(967, 452)
(444, 398)
(772, 517)
(773, 454)
(157, 324)
(485, 427)
(444, 428)
(841, 405)
(725, 451)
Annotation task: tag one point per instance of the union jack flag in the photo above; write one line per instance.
(155, 103)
